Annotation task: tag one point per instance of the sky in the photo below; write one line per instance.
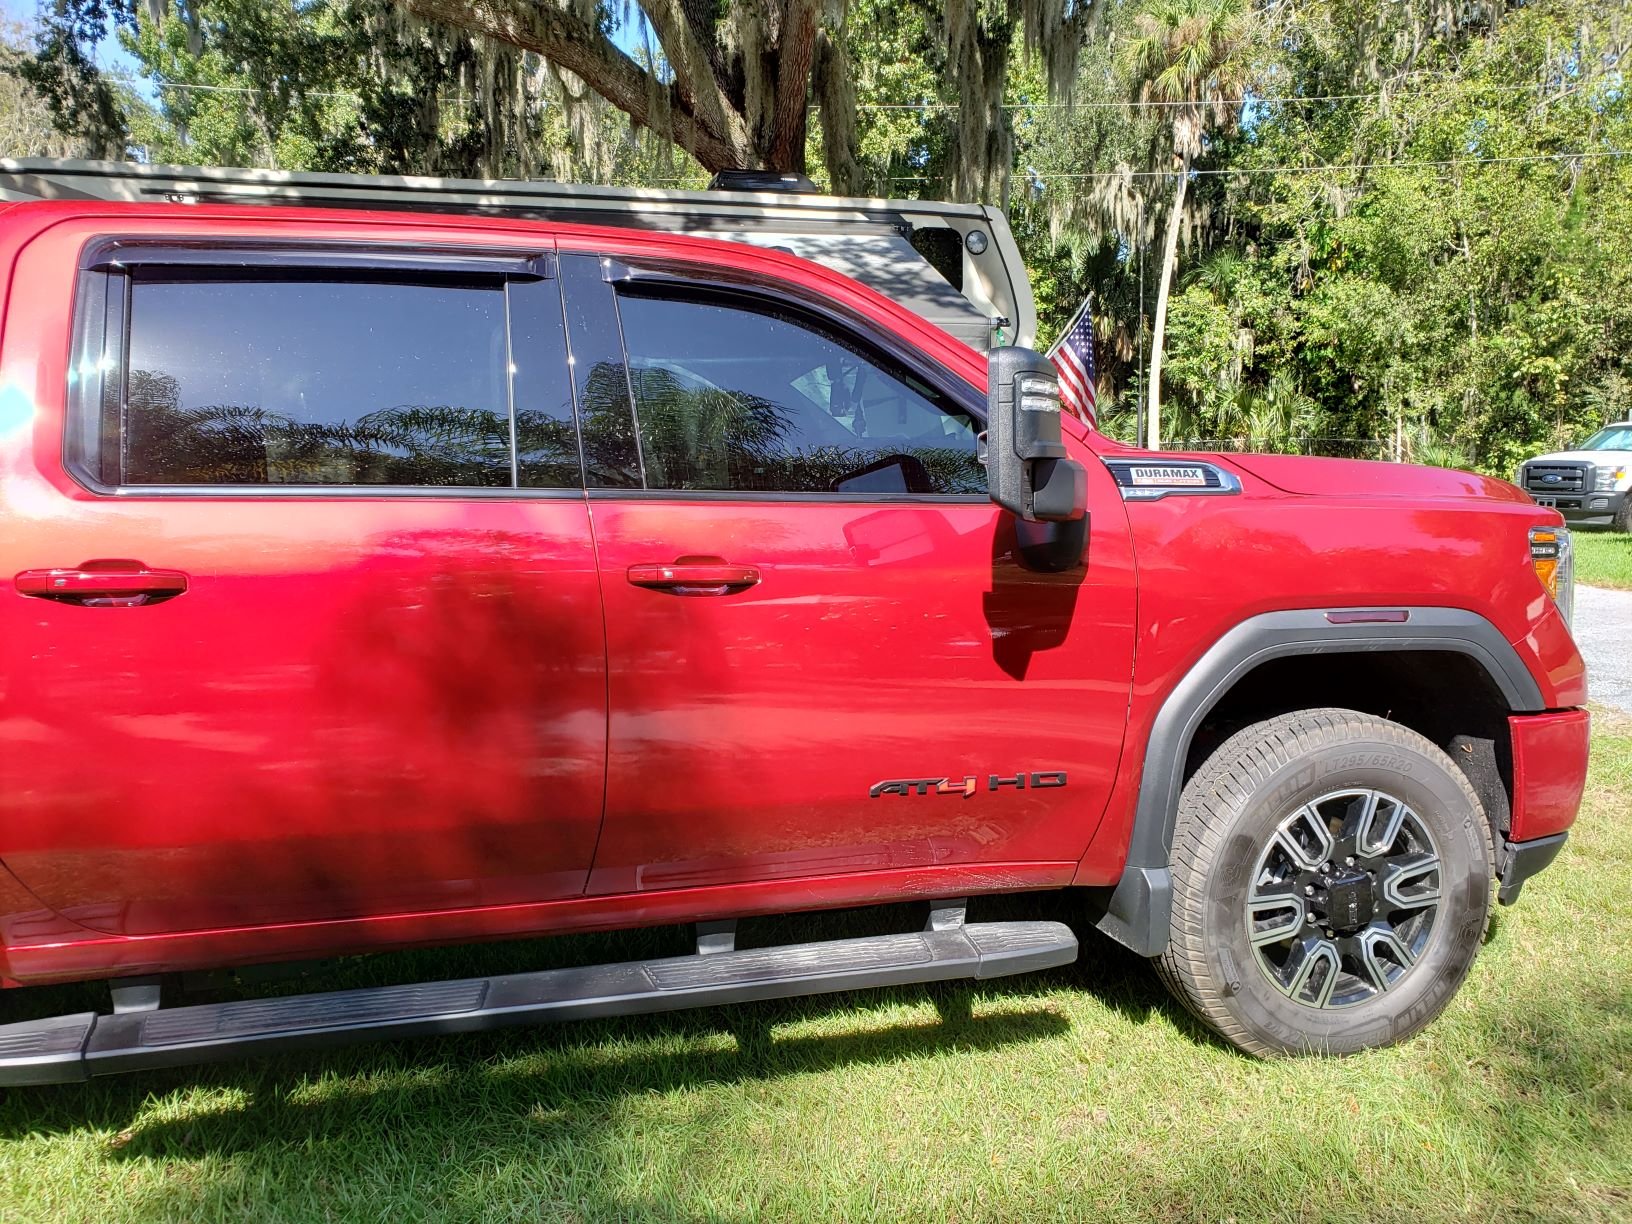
(108, 55)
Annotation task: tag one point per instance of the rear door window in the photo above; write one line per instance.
(300, 377)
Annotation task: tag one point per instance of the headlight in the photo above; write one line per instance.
(1553, 555)
(1612, 479)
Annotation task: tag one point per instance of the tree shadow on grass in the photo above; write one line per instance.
(629, 1055)
(428, 1124)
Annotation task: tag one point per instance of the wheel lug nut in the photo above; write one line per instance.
(1308, 890)
(1326, 867)
(1349, 862)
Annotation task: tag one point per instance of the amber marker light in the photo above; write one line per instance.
(1553, 557)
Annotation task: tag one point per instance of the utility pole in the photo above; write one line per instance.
(1139, 415)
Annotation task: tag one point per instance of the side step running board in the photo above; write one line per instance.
(66, 1049)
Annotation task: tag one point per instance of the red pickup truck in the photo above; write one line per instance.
(383, 577)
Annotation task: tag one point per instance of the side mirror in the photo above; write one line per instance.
(1027, 469)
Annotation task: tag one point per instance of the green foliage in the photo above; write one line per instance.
(63, 72)
(903, 121)
(26, 125)
(332, 85)
(1481, 303)
(1353, 263)
(1186, 53)
(217, 105)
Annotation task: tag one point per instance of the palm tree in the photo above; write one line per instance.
(1188, 56)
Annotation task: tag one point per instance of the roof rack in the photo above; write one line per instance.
(761, 180)
(955, 264)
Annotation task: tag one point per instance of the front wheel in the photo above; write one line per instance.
(1331, 884)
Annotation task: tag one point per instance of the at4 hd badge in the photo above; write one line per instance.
(968, 785)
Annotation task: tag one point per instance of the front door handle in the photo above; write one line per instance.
(103, 584)
(694, 576)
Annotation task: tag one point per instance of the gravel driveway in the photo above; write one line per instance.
(1603, 630)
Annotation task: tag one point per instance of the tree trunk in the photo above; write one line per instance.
(715, 135)
(1170, 255)
(796, 60)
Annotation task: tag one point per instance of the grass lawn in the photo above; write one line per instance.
(1081, 1093)
(1603, 557)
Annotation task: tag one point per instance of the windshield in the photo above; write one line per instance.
(1616, 437)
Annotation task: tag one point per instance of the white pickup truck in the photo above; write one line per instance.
(1590, 484)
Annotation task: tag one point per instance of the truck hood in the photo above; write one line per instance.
(1366, 479)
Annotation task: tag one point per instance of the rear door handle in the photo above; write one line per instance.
(103, 584)
(694, 576)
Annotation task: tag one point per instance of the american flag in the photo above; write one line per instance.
(1073, 356)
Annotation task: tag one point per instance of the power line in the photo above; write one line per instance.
(1323, 169)
(245, 89)
(193, 87)
(1158, 103)
(1446, 163)
(1128, 104)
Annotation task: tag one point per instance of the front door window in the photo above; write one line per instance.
(740, 398)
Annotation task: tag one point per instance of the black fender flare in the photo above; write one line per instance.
(1139, 909)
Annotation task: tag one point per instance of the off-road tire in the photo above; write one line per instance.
(1623, 517)
(1229, 813)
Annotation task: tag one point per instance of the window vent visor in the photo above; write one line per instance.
(272, 258)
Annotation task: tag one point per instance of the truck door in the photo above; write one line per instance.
(824, 657)
(285, 641)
